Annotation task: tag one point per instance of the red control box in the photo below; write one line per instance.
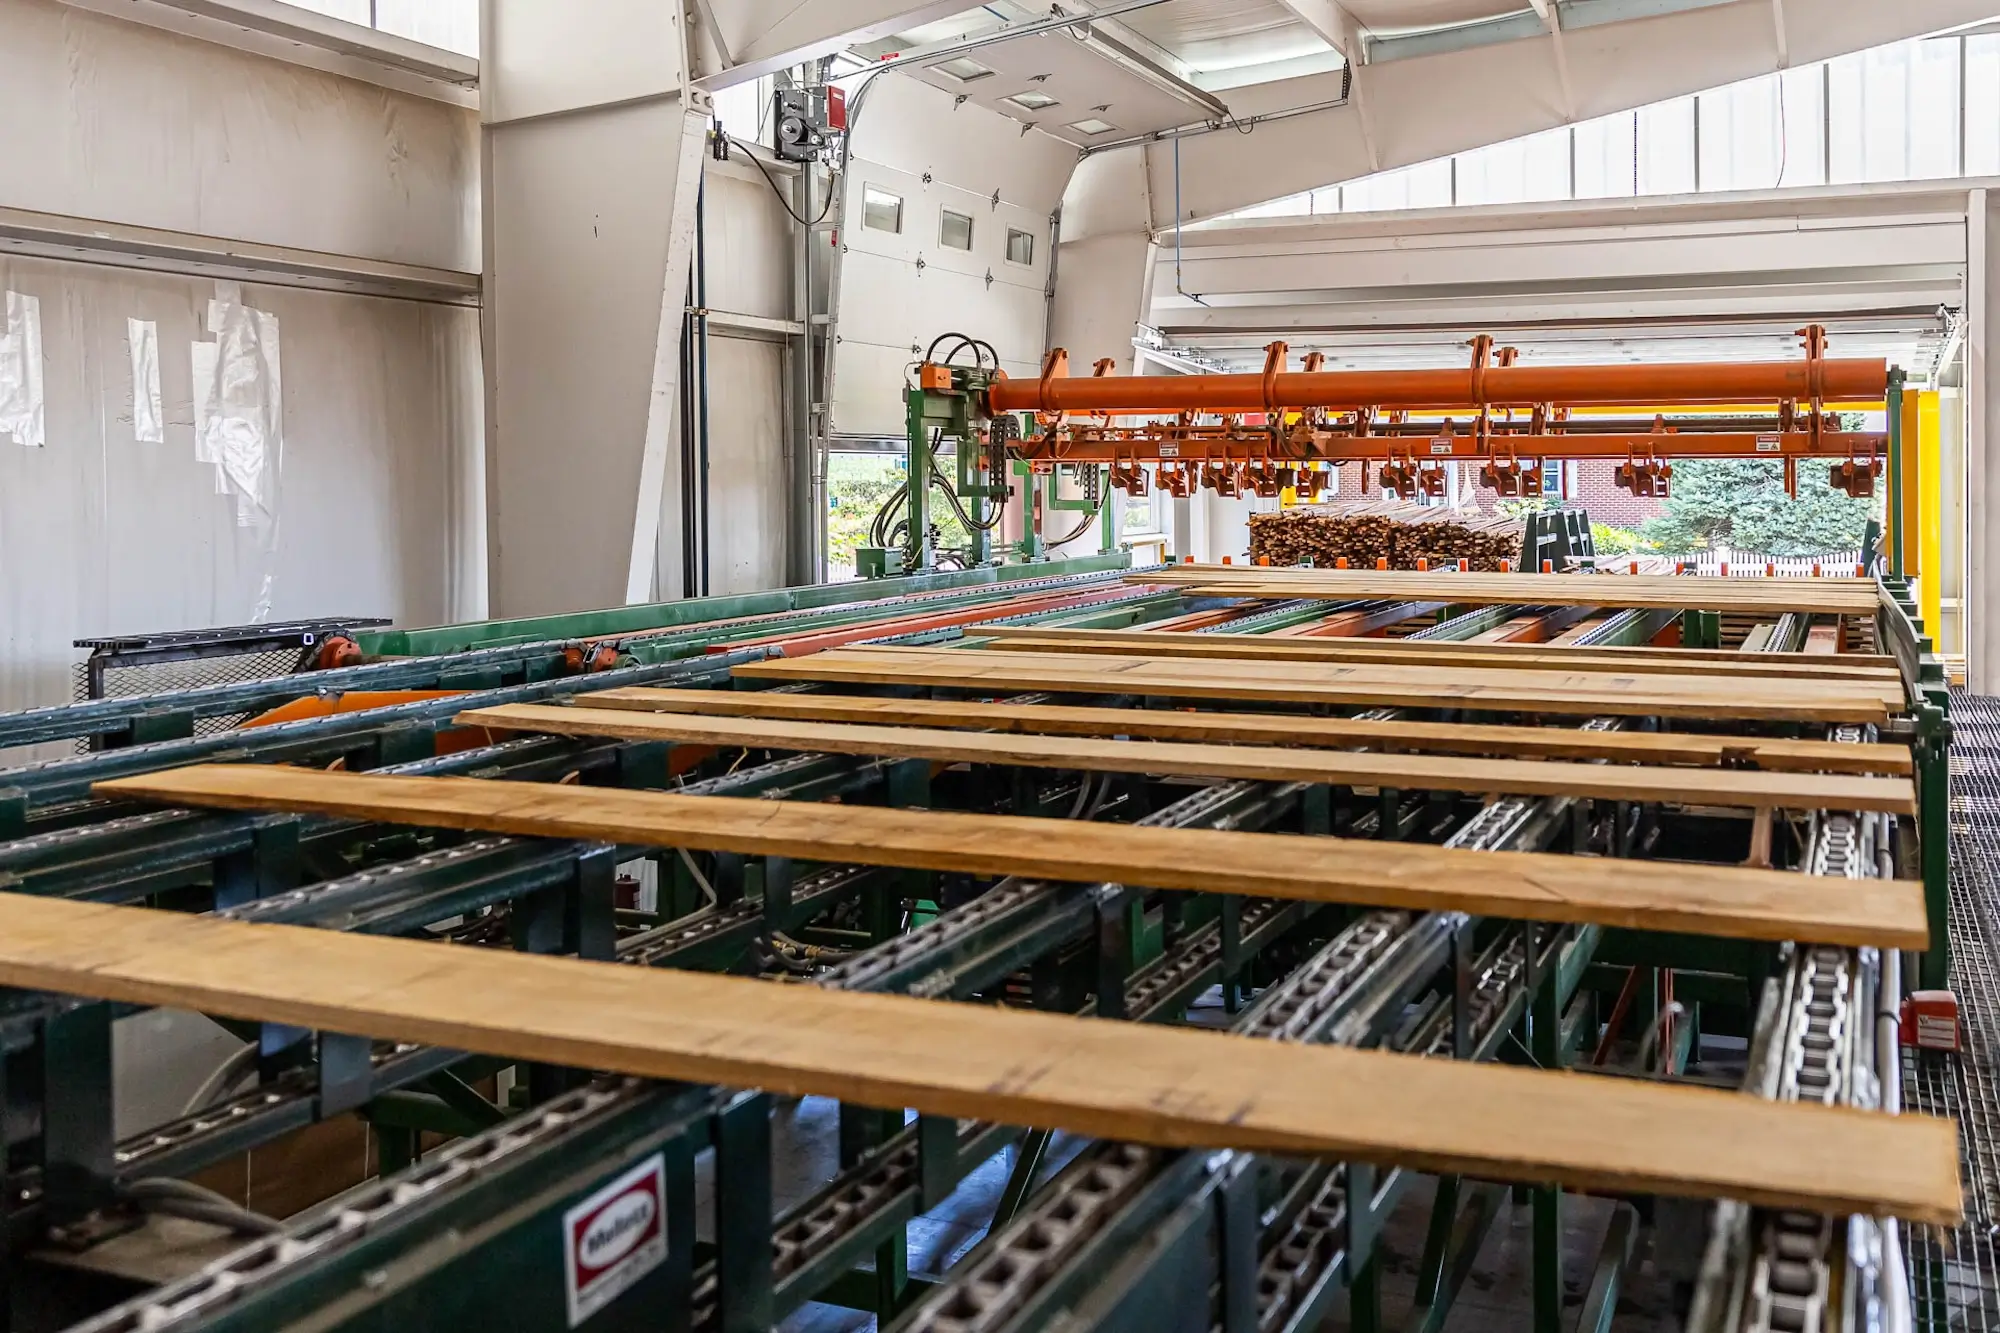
(1930, 1021)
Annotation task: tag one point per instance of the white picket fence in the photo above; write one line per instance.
(1726, 562)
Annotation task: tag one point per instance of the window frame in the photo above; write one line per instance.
(870, 195)
(945, 216)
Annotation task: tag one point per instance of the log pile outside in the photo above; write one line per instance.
(1402, 534)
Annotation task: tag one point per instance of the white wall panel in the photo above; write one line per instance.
(749, 240)
(746, 468)
(380, 504)
(899, 291)
(121, 122)
(543, 58)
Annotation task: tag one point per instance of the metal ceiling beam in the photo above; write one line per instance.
(769, 35)
(299, 36)
(156, 250)
(1408, 110)
(1330, 19)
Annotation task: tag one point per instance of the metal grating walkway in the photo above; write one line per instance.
(1955, 1278)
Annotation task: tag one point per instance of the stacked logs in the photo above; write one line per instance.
(1403, 534)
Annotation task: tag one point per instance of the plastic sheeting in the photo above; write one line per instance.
(239, 407)
(380, 412)
(142, 337)
(21, 410)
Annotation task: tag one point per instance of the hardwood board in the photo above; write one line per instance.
(1650, 747)
(1269, 763)
(1615, 597)
(1574, 694)
(1729, 901)
(1508, 656)
(1749, 595)
(1176, 1087)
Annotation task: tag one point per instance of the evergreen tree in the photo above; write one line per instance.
(1741, 502)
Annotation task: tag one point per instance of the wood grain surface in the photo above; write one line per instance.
(1178, 1087)
(1582, 693)
(1509, 656)
(1498, 777)
(1832, 596)
(1167, 724)
(1731, 901)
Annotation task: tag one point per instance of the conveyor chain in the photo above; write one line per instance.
(1815, 1043)
(355, 1216)
(1001, 1276)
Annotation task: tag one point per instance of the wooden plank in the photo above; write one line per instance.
(1646, 747)
(1730, 901)
(1823, 595)
(1507, 656)
(1154, 1084)
(1616, 597)
(1585, 694)
(1268, 763)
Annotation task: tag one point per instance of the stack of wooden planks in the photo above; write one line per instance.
(1731, 901)
(1572, 692)
(1711, 663)
(1767, 597)
(1293, 730)
(1402, 534)
(1268, 763)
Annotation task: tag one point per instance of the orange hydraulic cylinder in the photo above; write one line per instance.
(1520, 386)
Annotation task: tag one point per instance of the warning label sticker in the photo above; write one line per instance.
(1441, 445)
(1767, 444)
(615, 1237)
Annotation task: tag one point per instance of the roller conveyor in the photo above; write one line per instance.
(1234, 1240)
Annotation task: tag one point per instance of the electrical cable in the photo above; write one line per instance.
(184, 1199)
(701, 880)
(981, 350)
(772, 181)
(1082, 796)
(1085, 525)
(951, 496)
(239, 1062)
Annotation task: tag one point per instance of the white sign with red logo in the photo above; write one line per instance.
(615, 1237)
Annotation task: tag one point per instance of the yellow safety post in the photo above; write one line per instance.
(1909, 519)
(1929, 519)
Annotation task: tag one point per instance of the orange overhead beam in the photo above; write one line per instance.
(1494, 386)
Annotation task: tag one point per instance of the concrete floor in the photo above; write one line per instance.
(1496, 1296)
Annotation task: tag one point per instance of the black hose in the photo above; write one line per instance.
(184, 1199)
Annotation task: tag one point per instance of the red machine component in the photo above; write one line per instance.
(1224, 478)
(1264, 477)
(589, 659)
(1281, 419)
(1856, 476)
(1507, 477)
(1174, 479)
(1648, 476)
(1815, 379)
(1930, 1021)
(1400, 475)
(1130, 478)
(336, 650)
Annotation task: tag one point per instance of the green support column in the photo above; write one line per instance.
(1895, 512)
(917, 553)
(1364, 1280)
(1933, 759)
(1545, 1045)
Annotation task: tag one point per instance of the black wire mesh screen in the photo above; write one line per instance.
(125, 681)
(1954, 1277)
